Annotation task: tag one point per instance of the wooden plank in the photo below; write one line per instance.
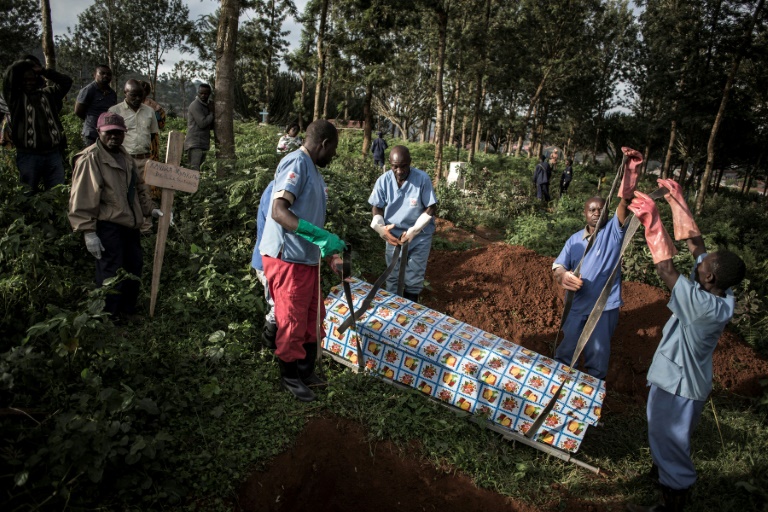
(173, 159)
(165, 175)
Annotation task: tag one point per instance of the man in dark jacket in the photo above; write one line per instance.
(377, 148)
(36, 130)
(541, 177)
(199, 125)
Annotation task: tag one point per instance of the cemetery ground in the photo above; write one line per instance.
(338, 465)
(184, 412)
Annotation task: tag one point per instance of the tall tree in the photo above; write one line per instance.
(737, 58)
(19, 30)
(165, 25)
(224, 99)
(269, 50)
(48, 48)
(321, 54)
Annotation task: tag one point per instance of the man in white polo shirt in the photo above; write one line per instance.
(140, 121)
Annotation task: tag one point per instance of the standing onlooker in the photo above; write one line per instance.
(93, 100)
(377, 148)
(291, 247)
(541, 176)
(140, 121)
(404, 205)
(290, 141)
(36, 130)
(680, 376)
(270, 324)
(154, 148)
(108, 204)
(200, 117)
(566, 177)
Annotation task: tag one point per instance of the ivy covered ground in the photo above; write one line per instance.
(179, 411)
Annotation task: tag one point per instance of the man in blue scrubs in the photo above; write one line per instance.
(291, 247)
(404, 205)
(595, 271)
(680, 376)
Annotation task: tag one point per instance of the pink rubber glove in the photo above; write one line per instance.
(629, 180)
(682, 218)
(661, 245)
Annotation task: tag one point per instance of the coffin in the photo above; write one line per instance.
(463, 366)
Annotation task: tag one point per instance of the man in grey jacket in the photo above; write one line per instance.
(199, 125)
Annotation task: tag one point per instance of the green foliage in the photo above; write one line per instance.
(173, 412)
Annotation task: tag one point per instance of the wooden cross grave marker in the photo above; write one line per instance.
(168, 176)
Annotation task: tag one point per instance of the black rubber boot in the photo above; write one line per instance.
(411, 296)
(307, 367)
(289, 373)
(268, 335)
(672, 500)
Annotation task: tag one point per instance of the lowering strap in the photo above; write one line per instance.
(401, 253)
(346, 273)
(594, 316)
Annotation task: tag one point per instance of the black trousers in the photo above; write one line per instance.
(122, 249)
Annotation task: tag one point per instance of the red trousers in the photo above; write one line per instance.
(294, 289)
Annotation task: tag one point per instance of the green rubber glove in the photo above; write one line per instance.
(327, 242)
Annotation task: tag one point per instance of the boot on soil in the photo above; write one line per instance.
(289, 379)
(672, 500)
(307, 367)
(268, 335)
(414, 297)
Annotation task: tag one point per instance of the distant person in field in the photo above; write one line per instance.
(566, 177)
(291, 140)
(108, 204)
(93, 100)
(154, 148)
(200, 117)
(269, 332)
(35, 128)
(680, 376)
(595, 271)
(404, 206)
(377, 148)
(541, 177)
(291, 248)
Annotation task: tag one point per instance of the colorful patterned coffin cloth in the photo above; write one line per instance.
(461, 365)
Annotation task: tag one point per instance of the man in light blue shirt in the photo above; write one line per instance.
(680, 376)
(404, 205)
(291, 247)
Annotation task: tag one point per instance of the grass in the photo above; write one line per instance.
(216, 392)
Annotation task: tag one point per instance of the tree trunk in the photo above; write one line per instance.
(303, 94)
(464, 132)
(646, 154)
(48, 48)
(328, 82)
(721, 111)
(534, 101)
(224, 99)
(476, 115)
(665, 169)
(455, 108)
(368, 114)
(442, 29)
(321, 61)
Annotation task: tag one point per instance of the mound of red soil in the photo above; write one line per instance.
(332, 468)
(510, 292)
